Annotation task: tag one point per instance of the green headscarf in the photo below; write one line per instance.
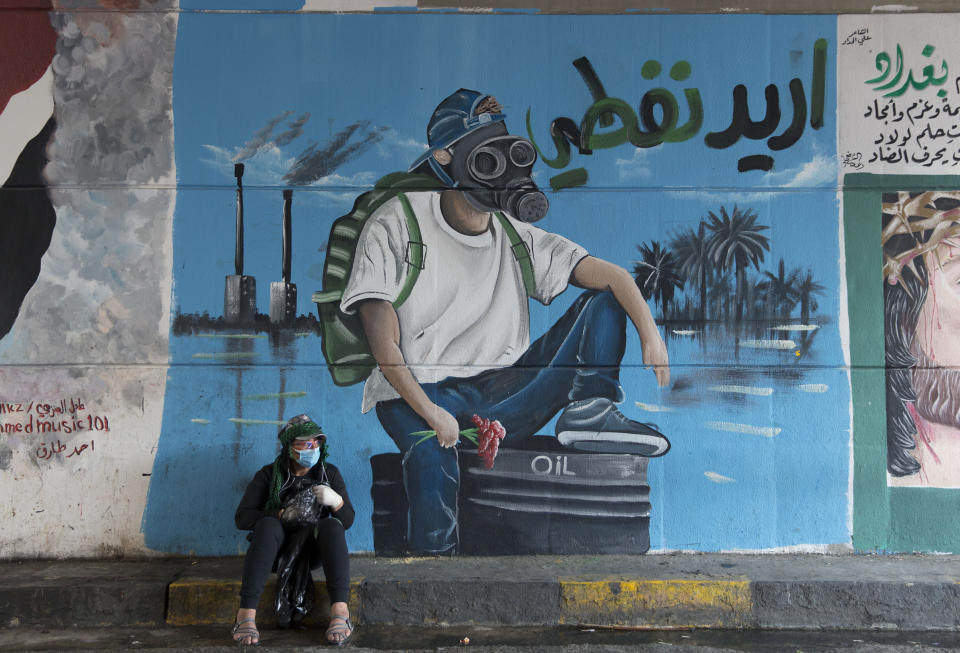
(297, 427)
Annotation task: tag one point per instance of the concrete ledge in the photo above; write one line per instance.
(652, 592)
(85, 593)
(679, 591)
(869, 604)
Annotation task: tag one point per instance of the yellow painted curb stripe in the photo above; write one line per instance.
(662, 603)
(198, 602)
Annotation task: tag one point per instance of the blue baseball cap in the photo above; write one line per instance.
(454, 118)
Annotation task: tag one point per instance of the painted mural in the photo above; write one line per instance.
(548, 286)
(738, 327)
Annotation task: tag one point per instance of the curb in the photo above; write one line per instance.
(660, 592)
(644, 604)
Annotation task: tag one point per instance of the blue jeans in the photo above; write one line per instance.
(577, 358)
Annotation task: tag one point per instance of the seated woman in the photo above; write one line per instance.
(299, 466)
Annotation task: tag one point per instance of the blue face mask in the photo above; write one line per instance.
(307, 457)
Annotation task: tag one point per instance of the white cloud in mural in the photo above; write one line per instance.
(725, 199)
(820, 170)
(339, 190)
(362, 180)
(392, 144)
(718, 478)
(269, 164)
(265, 168)
(635, 167)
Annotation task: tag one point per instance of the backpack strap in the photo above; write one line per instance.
(522, 253)
(415, 251)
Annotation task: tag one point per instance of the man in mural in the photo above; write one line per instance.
(459, 344)
(921, 238)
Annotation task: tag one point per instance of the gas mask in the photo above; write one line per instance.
(494, 170)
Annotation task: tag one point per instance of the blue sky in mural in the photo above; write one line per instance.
(263, 90)
(318, 76)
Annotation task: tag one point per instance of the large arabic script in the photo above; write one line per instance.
(611, 122)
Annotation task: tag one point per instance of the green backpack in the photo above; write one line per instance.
(344, 344)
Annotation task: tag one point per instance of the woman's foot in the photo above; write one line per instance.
(340, 628)
(244, 630)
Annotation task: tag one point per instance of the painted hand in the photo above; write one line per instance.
(327, 496)
(445, 424)
(655, 355)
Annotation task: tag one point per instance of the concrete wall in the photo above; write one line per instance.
(770, 181)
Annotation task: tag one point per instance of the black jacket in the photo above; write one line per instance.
(252, 505)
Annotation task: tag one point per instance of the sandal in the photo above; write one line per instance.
(241, 632)
(339, 634)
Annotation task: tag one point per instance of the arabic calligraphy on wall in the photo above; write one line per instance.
(899, 102)
(655, 123)
(857, 37)
(892, 84)
(922, 132)
(918, 132)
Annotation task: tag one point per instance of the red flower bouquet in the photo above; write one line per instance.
(486, 434)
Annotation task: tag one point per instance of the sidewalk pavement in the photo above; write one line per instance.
(674, 591)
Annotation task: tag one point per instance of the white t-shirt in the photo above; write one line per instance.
(468, 311)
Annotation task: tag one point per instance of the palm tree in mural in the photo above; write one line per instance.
(690, 251)
(656, 274)
(755, 294)
(736, 242)
(718, 295)
(781, 290)
(807, 288)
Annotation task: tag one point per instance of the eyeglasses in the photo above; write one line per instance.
(299, 445)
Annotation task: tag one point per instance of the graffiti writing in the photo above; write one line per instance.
(857, 37)
(45, 452)
(61, 416)
(893, 84)
(644, 129)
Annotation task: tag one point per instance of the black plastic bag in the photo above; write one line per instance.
(302, 509)
(294, 582)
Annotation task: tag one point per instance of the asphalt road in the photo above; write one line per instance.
(481, 640)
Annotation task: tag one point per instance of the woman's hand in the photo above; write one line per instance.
(327, 496)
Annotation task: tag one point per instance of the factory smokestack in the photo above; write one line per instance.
(283, 294)
(238, 247)
(240, 292)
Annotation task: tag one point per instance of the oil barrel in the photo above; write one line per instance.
(549, 499)
(541, 499)
(389, 517)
